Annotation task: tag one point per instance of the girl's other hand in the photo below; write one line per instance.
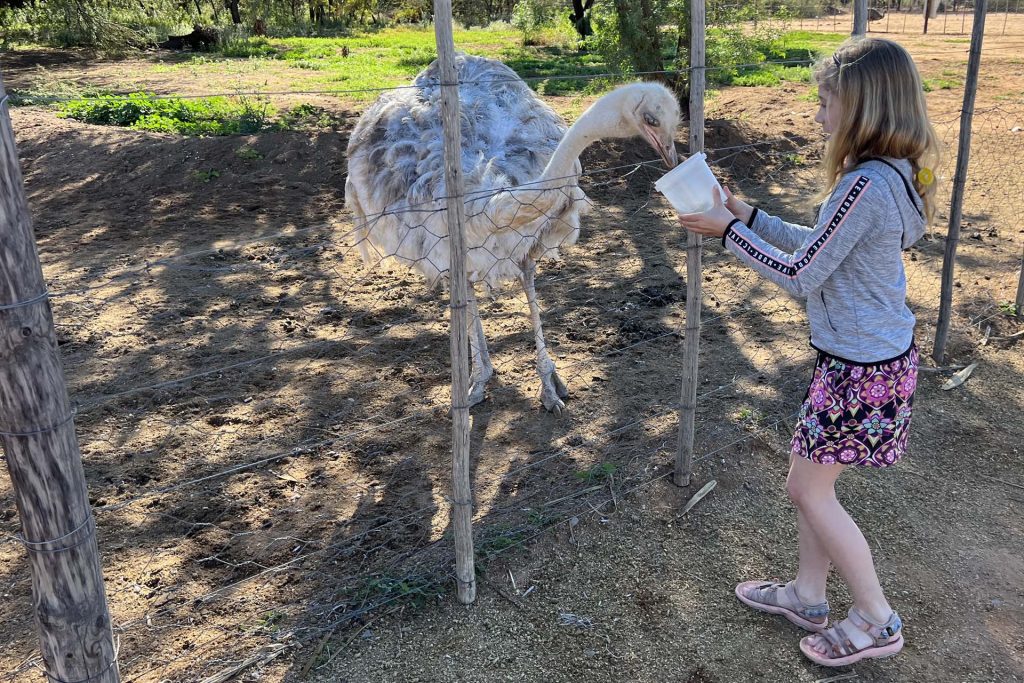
(711, 223)
(738, 208)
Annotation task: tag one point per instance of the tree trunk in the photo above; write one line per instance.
(638, 32)
(236, 15)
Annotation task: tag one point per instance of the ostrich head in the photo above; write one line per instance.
(647, 110)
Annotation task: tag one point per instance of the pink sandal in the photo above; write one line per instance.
(888, 640)
(764, 598)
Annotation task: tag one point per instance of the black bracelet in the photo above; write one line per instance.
(753, 216)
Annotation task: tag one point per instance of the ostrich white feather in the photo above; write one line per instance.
(396, 185)
(521, 171)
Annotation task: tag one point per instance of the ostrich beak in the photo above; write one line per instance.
(663, 144)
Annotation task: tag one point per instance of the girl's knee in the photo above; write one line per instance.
(805, 493)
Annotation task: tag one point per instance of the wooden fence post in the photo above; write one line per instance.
(860, 17)
(38, 435)
(1020, 292)
(688, 392)
(959, 180)
(462, 490)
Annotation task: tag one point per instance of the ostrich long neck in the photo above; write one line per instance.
(589, 128)
(538, 197)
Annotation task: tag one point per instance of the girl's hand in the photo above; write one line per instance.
(738, 208)
(711, 223)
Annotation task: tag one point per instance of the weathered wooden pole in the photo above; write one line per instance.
(38, 436)
(860, 18)
(462, 490)
(963, 157)
(688, 392)
(1020, 292)
(931, 10)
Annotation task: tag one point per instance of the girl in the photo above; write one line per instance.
(849, 268)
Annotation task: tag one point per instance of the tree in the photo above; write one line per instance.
(638, 33)
(236, 16)
(580, 18)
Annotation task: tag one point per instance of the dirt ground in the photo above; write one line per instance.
(264, 427)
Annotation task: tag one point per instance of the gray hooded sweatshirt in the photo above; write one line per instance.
(849, 267)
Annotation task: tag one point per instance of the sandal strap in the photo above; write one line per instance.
(881, 633)
(768, 593)
(839, 641)
(804, 610)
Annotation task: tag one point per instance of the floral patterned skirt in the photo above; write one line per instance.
(857, 414)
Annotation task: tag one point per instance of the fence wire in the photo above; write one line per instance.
(264, 420)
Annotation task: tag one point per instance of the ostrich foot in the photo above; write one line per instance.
(476, 392)
(552, 391)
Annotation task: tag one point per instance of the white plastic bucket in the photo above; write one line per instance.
(688, 186)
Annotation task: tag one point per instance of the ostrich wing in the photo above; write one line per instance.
(508, 135)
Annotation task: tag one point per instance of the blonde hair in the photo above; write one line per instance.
(882, 112)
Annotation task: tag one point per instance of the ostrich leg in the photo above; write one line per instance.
(482, 368)
(552, 388)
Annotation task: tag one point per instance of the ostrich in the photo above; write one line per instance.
(521, 168)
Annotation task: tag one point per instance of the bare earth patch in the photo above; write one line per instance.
(264, 426)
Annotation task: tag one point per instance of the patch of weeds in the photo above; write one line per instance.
(270, 622)
(417, 57)
(750, 417)
(810, 96)
(248, 154)
(50, 90)
(304, 116)
(598, 473)
(1008, 307)
(411, 590)
(145, 111)
(539, 518)
(488, 547)
(756, 78)
(931, 84)
(311, 65)
(205, 176)
(307, 51)
(247, 47)
(794, 159)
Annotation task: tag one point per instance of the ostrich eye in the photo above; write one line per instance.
(650, 120)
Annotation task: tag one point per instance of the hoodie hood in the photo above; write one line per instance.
(897, 175)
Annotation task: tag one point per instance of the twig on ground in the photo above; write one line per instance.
(511, 598)
(840, 677)
(261, 658)
(1003, 481)
(1015, 335)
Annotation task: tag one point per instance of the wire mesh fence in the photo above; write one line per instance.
(264, 421)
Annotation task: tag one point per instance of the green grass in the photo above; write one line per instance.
(931, 84)
(787, 59)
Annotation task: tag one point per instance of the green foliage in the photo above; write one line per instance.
(247, 47)
(144, 111)
(248, 154)
(528, 17)
(205, 176)
(112, 26)
(309, 116)
(411, 590)
(598, 473)
(930, 84)
(1008, 308)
